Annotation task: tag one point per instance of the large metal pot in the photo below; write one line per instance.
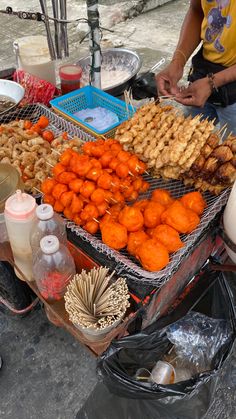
(115, 59)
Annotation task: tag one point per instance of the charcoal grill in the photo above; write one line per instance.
(124, 263)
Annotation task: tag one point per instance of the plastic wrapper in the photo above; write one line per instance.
(36, 90)
(197, 339)
(120, 396)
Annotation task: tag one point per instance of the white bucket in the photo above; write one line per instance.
(229, 221)
(33, 56)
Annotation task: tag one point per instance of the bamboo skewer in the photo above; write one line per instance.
(93, 302)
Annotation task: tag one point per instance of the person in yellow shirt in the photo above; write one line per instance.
(210, 24)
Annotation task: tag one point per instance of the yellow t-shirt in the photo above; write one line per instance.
(219, 31)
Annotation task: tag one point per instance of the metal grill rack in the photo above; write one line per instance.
(123, 260)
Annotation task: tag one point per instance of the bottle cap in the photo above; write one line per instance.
(70, 72)
(44, 212)
(20, 206)
(49, 244)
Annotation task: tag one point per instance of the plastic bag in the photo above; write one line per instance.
(197, 338)
(187, 399)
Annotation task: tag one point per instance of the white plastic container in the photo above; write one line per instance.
(229, 221)
(20, 217)
(47, 223)
(33, 56)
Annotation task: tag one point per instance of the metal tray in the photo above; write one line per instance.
(124, 261)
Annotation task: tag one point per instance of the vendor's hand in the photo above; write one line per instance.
(196, 94)
(168, 78)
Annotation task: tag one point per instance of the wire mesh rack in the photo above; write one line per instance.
(123, 260)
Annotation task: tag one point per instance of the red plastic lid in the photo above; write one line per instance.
(70, 72)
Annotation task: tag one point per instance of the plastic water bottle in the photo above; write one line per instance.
(48, 223)
(53, 268)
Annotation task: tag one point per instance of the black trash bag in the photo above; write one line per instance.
(102, 404)
(187, 399)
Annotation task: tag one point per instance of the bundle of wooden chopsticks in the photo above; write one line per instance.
(93, 301)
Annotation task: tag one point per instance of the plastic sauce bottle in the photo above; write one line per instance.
(47, 223)
(70, 75)
(53, 268)
(20, 217)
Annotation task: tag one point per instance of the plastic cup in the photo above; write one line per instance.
(163, 373)
(70, 75)
(142, 374)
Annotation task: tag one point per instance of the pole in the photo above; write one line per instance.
(94, 41)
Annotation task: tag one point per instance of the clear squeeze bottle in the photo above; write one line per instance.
(47, 223)
(20, 217)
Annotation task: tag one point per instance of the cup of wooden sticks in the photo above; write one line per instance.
(96, 303)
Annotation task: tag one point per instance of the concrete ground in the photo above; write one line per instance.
(46, 373)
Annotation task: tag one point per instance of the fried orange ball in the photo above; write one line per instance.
(75, 185)
(98, 196)
(142, 204)
(180, 218)
(194, 201)
(131, 218)
(67, 213)
(57, 169)
(66, 198)
(87, 188)
(94, 173)
(135, 240)
(153, 255)
(162, 196)
(89, 212)
(48, 185)
(145, 187)
(58, 190)
(167, 236)
(76, 205)
(66, 177)
(65, 157)
(58, 207)
(91, 227)
(106, 158)
(114, 234)
(105, 181)
(122, 170)
(152, 214)
(133, 196)
(102, 208)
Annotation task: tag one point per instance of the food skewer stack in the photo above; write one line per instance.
(215, 168)
(85, 185)
(170, 144)
(93, 302)
(33, 149)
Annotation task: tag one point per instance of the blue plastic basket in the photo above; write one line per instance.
(91, 97)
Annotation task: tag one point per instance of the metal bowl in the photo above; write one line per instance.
(120, 59)
(13, 91)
